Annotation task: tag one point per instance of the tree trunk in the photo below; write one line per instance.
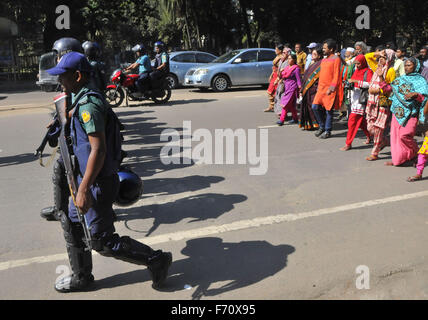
(246, 24)
(186, 23)
(196, 22)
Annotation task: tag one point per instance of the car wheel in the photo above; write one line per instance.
(172, 81)
(220, 83)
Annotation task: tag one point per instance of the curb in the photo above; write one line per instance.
(21, 107)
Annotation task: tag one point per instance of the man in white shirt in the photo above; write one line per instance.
(309, 55)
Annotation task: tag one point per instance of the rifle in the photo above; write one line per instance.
(61, 109)
(47, 137)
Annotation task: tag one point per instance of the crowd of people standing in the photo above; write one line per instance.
(382, 92)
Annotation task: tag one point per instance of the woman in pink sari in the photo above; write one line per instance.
(377, 110)
(292, 86)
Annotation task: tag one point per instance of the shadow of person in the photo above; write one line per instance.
(233, 89)
(122, 113)
(3, 97)
(18, 159)
(210, 263)
(164, 186)
(199, 207)
(238, 264)
(171, 103)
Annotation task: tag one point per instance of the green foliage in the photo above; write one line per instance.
(215, 25)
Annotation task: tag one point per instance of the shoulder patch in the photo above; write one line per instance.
(86, 116)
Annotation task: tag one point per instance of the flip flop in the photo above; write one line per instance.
(372, 158)
(414, 178)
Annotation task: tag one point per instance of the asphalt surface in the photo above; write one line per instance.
(299, 231)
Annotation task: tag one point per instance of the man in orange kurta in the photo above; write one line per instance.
(330, 92)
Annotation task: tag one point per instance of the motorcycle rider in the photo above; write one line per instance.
(161, 62)
(144, 66)
(92, 52)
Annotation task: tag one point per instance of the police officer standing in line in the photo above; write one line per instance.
(161, 62)
(92, 52)
(96, 143)
(59, 180)
(144, 66)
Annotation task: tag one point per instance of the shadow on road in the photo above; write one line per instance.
(18, 159)
(197, 208)
(164, 186)
(235, 89)
(170, 103)
(210, 261)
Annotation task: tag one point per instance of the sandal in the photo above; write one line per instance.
(268, 110)
(388, 163)
(368, 141)
(372, 158)
(414, 178)
(345, 148)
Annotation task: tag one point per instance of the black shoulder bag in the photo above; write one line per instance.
(364, 97)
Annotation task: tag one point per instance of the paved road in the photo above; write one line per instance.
(297, 232)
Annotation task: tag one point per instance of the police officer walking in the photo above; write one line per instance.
(96, 143)
(59, 180)
(161, 67)
(92, 52)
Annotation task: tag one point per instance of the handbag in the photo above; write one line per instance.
(364, 96)
(384, 102)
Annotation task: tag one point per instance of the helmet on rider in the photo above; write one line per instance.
(130, 189)
(139, 48)
(65, 45)
(160, 45)
(91, 49)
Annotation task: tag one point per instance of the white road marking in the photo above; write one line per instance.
(234, 226)
(272, 126)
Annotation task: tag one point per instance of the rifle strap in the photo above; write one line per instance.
(50, 160)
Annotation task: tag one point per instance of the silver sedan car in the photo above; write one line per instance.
(181, 61)
(235, 68)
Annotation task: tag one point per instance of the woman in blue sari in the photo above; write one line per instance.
(409, 95)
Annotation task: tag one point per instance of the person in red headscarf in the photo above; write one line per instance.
(361, 80)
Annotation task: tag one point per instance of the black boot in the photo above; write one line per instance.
(129, 250)
(50, 214)
(79, 256)
(81, 265)
(158, 266)
(61, 194)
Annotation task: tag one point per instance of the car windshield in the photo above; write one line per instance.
(226, 57)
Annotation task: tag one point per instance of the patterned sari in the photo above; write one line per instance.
(307, 119)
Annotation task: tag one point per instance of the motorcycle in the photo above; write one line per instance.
(123, 86)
